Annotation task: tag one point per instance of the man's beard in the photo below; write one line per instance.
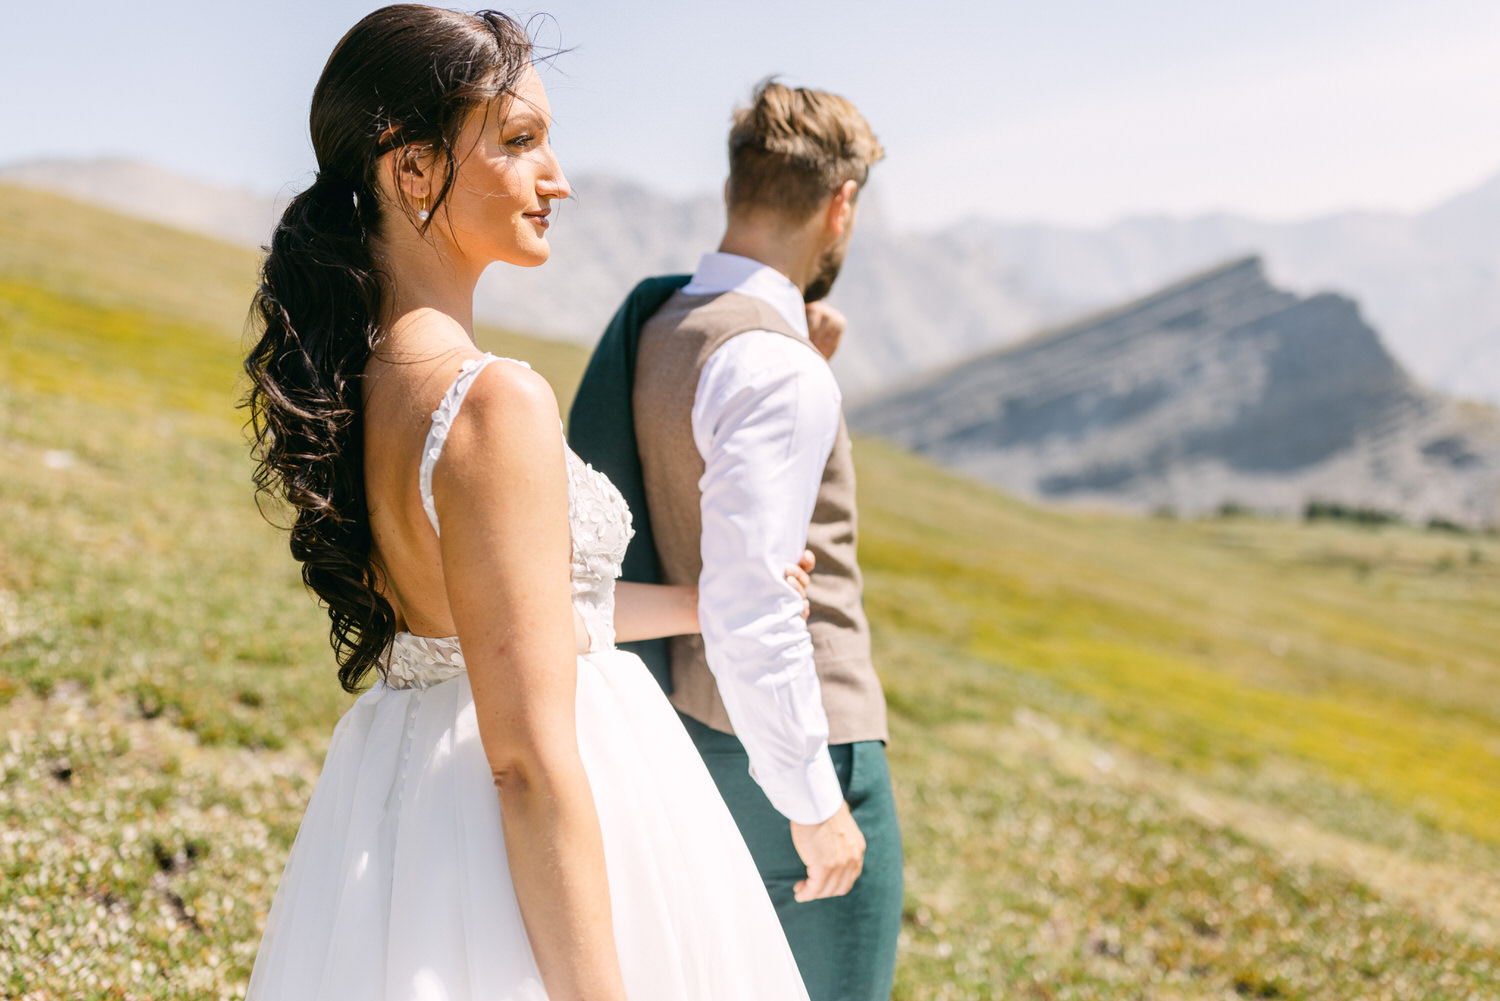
(828, 270)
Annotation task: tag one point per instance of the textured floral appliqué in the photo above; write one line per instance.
(601, 526)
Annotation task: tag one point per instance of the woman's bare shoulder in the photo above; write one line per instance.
(509, 412)
(510, 389)
(425, 352)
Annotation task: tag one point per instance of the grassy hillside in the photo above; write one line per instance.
(1135, 758)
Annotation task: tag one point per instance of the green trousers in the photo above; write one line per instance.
(845, 946)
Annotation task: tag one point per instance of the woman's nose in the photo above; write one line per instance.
(551, 183)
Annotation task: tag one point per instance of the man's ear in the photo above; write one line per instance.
(841, 208)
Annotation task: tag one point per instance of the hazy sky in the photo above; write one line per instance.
(1077, 111)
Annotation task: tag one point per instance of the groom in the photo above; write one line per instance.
(709, 406)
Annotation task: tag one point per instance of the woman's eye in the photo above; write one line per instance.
(522, 141)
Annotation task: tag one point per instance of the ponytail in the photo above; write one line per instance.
(319, 305)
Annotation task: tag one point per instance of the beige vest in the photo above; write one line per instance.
(674, 345)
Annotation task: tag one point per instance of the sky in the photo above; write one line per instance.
(1078, 112)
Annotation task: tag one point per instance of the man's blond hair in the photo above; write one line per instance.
(793, 147)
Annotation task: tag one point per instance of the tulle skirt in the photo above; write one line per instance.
(398, 888)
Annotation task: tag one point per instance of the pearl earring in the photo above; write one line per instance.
(422, 212)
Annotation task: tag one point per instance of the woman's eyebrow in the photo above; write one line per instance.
(526, 115)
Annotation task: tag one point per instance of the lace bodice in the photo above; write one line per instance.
(600, 525)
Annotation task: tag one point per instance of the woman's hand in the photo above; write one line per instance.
(798, 577)
(650, 611)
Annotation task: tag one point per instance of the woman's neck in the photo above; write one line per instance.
(418, 276)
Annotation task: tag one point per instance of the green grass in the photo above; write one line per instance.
(1372, 656)
(1134, 757)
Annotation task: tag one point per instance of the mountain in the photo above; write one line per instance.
(917, 301)
(1429, 282)
(147, 192)
(607, 236)
(1219, 390)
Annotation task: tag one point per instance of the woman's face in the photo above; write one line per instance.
(499, 206)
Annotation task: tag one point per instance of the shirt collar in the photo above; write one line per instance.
(718, 273)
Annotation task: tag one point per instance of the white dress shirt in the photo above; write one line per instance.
(764, 419)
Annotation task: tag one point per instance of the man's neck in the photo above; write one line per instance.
(792, 251)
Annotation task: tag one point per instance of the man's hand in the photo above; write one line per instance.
(834, 853)
(825, 327)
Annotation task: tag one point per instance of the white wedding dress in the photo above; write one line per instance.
(398, 888)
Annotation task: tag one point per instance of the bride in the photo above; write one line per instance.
(500, 816)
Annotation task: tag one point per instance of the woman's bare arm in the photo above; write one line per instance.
(502, 500)
(648, 611)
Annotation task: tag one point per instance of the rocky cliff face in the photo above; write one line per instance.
(1221, 389)
(1429, 282)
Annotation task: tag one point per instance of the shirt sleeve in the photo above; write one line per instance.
(764, 419)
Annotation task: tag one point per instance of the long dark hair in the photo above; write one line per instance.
(405, 78)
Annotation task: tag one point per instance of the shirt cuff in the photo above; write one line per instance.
(808, 793)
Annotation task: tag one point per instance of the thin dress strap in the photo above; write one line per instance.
(442, 421)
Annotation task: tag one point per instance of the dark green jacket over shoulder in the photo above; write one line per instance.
(601, 429)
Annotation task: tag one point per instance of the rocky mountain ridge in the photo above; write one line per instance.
(916, 301)
(1220, 390)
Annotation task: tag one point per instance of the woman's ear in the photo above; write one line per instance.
(408, 180)
(413, 170)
